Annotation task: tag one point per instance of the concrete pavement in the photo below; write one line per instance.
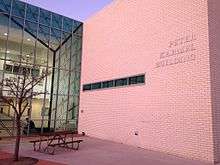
(101, 152)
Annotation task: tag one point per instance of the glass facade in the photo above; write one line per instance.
(40, 41)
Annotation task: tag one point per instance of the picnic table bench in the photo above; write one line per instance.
(66, 145)
(48, 142)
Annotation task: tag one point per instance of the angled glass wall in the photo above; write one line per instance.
(40, 41)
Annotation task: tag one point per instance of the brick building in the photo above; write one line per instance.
(150, 76)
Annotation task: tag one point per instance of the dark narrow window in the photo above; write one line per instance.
(35, 72)
(8, 68)
(17, 70)
(87, 87)
(121, 82)
(96, 85)
(136, 79)
(108, 84)
(133, 80)
(141, 79)
(26, 71)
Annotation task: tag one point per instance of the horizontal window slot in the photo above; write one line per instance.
(127, 81)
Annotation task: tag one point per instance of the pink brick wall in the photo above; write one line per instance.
(214, 44)
(172, 112)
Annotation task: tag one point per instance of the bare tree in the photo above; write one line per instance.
(17, 93)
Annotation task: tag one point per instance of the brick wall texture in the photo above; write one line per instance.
(214, 49)
(168, 40)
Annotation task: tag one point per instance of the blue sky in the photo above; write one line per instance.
(76, 9)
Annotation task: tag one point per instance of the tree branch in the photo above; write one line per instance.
(24, 108)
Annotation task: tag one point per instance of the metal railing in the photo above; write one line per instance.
(7, 123)
(4, 123)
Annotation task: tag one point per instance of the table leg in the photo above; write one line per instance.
(34, 145)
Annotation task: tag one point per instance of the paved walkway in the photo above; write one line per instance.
(100, 152)
(5, 155)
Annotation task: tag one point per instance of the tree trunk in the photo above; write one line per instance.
(18, 137)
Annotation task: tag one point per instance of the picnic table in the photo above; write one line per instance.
(48, 142)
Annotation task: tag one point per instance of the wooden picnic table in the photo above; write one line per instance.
(48, 142)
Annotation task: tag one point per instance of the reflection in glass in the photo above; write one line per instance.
(8, 68)
(44, 34)
(15, 39)
(3, 35)
(56, 21)
(45, 17)
(55, 38)
(67, 24)
(32, 13)
(18, 8)
(5, 6)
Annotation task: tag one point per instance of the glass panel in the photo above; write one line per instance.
(5, 6)
(29, 42)
(141, 79)
(50, 59)
(61, 112)
(87, 87)
(121, 82)
(65, 58)
(18, 21)
(18, 8)
(15, 40)
(63, 82)
(32, 13)
(17, 70)
(137, 79)
(78, 30)
(53, 109)
(56, 21)
(53, 103)
(41, 54)
(74, 88)
(73, 107)
(41, 107)
(55, 38)
(31, 28)
(26, 71)
(45, 17)
(44, 34)
(1, 69)
(75, 25)
(74, 83)
(76, 44)
(35, 72)
(133, 80)
(4, 25)
(96, 85)
(3, 35)
(107, 84)
(74, 61)
(65, 36)
(2, 48)
(49, 79)
(67, 24)
(37, 107)
(57, 55)
(8, 68)
(55, 81)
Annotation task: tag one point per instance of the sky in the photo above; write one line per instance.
(75, 9)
